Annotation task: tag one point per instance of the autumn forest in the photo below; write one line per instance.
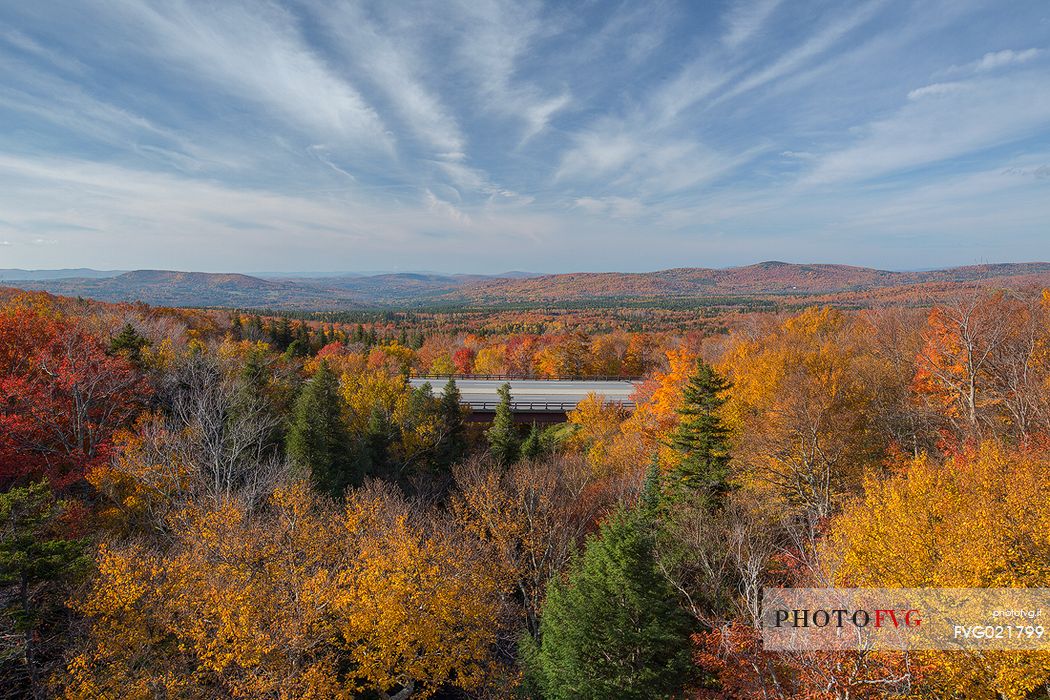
(216, 503)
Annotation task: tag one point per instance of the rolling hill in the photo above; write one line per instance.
(762, 279)
(414, 290)
(169, 288)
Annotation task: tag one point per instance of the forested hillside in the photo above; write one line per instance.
(216, 504)
(769, 282)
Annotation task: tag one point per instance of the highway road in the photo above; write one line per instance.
(532, 394)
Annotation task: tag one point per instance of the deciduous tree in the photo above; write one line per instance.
(61, 397)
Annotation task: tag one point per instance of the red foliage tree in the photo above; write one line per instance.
(61, 397)
(463, 359)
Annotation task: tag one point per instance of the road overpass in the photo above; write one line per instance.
(539, 400)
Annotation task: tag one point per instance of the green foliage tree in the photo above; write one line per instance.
(702, 474)
(298, 348)
(281, 334)
(532, 447)
(129, 343)
(453, 443)
(613, 628)
(34, 561)
(502, 434)
(318, 441)
(650, 497)
(380, 435)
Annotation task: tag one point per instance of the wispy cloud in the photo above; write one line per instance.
(493, 36)
(617, 207)
(458, 135)
(937, 89)
(746, 20)
(389, 62)
(994, 60)
(988, 113)
(445, 209)
(824, 39)
(258, 53)
(27, 45)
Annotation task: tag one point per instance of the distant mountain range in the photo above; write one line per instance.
(423, 289)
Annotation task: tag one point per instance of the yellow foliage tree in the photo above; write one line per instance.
(275, 603)
(371, 390)
(143, 482)
(979, 519)
(598, 431)
(413, 609)
(491, 360)
(799, 408)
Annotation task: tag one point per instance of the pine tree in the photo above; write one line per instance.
(453, 442)
(613, 628)
(282, 334)
(254, 370)
(319, 442)
(297, 348)
(533, 445)
(379, 436)
(34, 560)
(649, 499)
(502, 434)
(702, 440)
(128, 343)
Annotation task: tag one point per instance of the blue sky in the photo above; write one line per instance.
(484, 136)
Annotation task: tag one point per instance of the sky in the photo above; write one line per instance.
(485, 136)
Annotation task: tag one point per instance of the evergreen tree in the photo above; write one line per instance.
(649, 499)
(256, 394)
(297, 348)
(319, 442)
(34, 560)
(613, 628)
(254, 370)
(301, 334)
(533, 445)
(702, 440)
(454, 441)
(379, 435)
(502, 434)
(128, 343)
(282, 334)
